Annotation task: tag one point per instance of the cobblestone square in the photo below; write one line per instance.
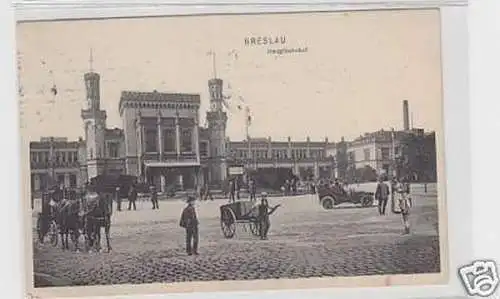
(304, 241)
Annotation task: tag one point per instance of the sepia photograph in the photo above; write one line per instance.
(197, 153)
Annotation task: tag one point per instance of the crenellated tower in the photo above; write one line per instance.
(217, 122)
(94, 120)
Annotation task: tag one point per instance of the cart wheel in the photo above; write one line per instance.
(367, 201)
(327, 202)
(53, 233)
(254, 228)
(228, 223)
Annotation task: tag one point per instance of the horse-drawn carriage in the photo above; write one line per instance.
(331, 196)
(242, 212)
(70, 213)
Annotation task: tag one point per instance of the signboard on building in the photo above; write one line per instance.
(236, 170)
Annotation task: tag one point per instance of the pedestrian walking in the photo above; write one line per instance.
(208, 193)
(154, 197)
(382, 196)
(232, 190)
(252, 188)
(132, 197)
(118, 199)
(405, 204)
(313, 187)
(237, 188)
(189, 221)
(263, 217)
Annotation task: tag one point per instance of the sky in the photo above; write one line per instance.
(357, 70)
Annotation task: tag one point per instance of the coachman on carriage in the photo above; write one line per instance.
(54, 202)
(67, 213)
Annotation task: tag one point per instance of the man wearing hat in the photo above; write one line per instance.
(118, 199)
(382, 195)
(264, 213)
(189, 221)
(154, 197)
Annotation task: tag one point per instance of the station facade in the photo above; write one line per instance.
(162, 143)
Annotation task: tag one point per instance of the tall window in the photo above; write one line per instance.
(169, 140)
(60, 178)
(186, 140)
(113, 149)
(203, 149)
(151, 141)
(385, 153)
(367, 154)
(72, 180)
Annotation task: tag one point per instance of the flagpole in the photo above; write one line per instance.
(247, 130)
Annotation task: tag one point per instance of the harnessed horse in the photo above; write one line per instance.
(69, 222)
(97, 216)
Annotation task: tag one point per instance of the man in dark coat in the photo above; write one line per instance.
(232, 190)
(132, 197)
(382, 195)
(118, 199)
(154, 197)
(264, 212)
(252, 189)
(206, 194)
(189, 221)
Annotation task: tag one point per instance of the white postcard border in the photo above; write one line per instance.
(456, 103)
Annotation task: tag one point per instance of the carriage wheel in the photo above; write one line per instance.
(327, 202)
(53, 233)
(228, 223)
(254, 228)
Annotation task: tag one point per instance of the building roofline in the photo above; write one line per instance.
(154, 98)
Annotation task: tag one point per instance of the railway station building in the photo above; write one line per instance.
(162, 143)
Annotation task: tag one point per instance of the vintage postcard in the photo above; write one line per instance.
(232, 152)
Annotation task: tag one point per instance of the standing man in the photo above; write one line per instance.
(118, 199)
(232, 190)
(132, 197)
(382, 195)
(237, 188)
(264, 213)
(252, 189)
(189, 221)
(154, 197)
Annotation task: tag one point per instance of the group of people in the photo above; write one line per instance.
(132, 198)
(401, 202)
(290, 186)
(234, 189)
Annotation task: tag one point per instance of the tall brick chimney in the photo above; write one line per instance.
(406, 116)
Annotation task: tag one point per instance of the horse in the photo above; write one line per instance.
(97, 216)
(70, 222)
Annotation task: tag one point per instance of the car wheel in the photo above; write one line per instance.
(328, 202)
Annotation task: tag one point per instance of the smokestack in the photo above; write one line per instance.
(406, 116)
